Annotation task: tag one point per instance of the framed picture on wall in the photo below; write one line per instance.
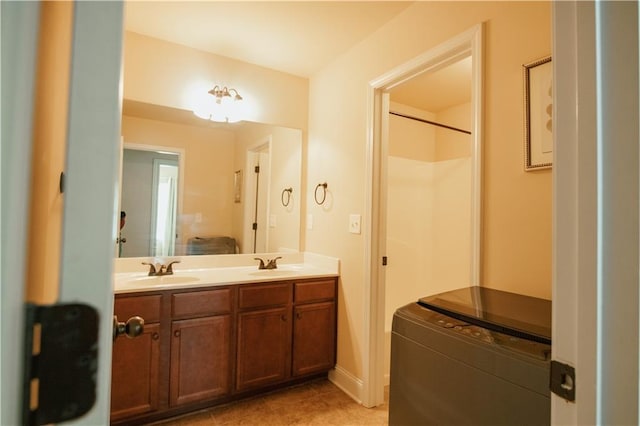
(237, 186)
(538, 116)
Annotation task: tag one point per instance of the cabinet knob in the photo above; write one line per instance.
(132, 328)
(176, 333)
(298, 315)
(155, 336)
(283, 317)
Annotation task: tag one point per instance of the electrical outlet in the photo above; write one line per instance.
(354, 223)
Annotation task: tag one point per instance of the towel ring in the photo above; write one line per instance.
(324, 193)
(285, 197)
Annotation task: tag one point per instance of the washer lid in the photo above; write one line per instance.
(510, 313)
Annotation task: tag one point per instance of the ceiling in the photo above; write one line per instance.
(296, 37)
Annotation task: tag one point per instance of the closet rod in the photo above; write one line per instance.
(430, 122)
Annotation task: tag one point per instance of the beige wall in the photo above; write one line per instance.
(48, 154)
(452, 144)
(163, 73)
(208, 173)
(516, 248)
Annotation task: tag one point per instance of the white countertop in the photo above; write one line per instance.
(206, 271)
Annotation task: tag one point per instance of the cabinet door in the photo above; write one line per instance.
(200, 351)
(264, 347)
(135, 373)
(314, 338)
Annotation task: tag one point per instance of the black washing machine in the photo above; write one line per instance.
(472, 356)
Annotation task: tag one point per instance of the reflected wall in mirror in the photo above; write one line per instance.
(207, 218)
(150, 200)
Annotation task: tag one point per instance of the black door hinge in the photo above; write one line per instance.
(254, 226)
(257, 169)
(563, 380)
(61, 359)
(384, 260)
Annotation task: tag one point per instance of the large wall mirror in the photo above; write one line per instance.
(191, 186)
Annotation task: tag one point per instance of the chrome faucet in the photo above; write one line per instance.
(159, 269)
(271, 263)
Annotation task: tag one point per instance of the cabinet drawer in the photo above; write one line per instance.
(206, 302)
(314, 290)
(261, 295)
(147, 307)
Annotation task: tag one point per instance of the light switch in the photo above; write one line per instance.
(273, 220)
(354, 223)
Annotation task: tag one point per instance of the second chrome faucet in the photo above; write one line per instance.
(160, 269)
(270, 264)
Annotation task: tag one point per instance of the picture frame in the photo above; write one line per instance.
(538, 117)
(237, 186)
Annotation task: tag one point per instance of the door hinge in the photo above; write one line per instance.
(61, 359)
(257, 169)
(563, 380)
(384, 260)
(254, 226)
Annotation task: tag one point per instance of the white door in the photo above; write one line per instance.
(90, 214)
(595, 218)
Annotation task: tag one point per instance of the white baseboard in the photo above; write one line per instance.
(347, 382)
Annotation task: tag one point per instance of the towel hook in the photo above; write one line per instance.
(285, 197)
(324, 193)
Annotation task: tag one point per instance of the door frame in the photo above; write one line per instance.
(95, 98)
(467, 43)
(180, 152)
(20, 25)
(91, 216)
(253, 153)
(596, 218)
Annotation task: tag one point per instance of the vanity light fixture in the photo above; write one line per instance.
(223, 106)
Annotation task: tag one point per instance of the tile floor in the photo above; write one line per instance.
(315, 403)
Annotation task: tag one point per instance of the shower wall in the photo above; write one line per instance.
(428, 207)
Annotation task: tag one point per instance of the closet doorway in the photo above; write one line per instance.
(428, 187)
(425, 191)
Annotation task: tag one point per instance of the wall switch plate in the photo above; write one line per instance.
(354, 223)
(273, 221)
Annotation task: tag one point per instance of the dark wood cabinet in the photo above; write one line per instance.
(314, 338)
(200, 362)
(135, 371)
(264, 335)
(210, 345)
(201, 330)
(264, 342)
(314, 327)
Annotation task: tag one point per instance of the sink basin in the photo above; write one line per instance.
(166, 279)
(272, 273)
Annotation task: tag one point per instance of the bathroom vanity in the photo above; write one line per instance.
(212, 342)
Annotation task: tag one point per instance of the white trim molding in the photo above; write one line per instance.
(347, 382)
(468, 43)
